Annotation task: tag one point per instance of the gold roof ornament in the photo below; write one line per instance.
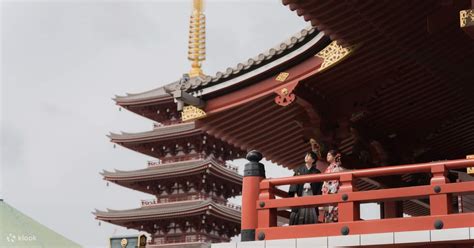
(197, 39)
(191, 113)
(333, 54)
(466, 17)
(282, 76)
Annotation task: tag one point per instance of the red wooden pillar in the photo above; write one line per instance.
(254, 173)
(440, 203)
(348, 210)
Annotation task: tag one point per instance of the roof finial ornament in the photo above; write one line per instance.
(197, 39)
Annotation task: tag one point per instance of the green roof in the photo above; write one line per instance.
(19, 230)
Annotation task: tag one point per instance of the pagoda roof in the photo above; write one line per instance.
(406, 82)
(175, 169)
(173, 134)
(154, 95)
(294, 47)
(162, 132)
(170, 210)
(414, 69)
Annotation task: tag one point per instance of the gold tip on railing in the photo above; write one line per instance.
(470, 170)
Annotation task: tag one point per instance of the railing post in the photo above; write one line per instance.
(254, 173)
(266, 217)
(348, 210)
(440, 203)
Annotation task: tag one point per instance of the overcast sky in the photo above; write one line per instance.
(62, 62)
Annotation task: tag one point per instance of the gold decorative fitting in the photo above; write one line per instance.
(333, 54)
(197, 39)
(470, 170)
(285, 97)
(282, 76)
(466, 17)
(190, 113)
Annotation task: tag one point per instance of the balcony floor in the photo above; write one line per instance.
(454, 237)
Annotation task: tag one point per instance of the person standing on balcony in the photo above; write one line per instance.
(301, 216)
(332, 186)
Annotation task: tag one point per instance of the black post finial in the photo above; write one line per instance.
(254, 156)
(254, 167)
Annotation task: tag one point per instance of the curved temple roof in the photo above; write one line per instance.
(162, 132)
(155, 95)
(414, 64)
(291, 48)
(176, 169)
(169, 210)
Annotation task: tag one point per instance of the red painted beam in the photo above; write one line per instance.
(367, 226)
(303, 70)
(375, 172)
(368, 196)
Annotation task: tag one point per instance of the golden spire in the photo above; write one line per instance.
(197, 39)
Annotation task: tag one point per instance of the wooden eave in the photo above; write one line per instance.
(173, 170)
(173, 210)
(158, 133)
(299, 46)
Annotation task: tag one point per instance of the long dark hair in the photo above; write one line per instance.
(334, 153)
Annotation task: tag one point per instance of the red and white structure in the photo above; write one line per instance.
(387, 82)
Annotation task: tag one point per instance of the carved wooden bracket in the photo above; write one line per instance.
(285, 94)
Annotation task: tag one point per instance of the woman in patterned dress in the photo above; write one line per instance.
(332, 186)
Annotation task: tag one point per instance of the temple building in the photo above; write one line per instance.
(191, 181)
(388, 83)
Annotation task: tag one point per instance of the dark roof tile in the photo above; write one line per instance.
(172, 169)
(196, 83)
(169, 210)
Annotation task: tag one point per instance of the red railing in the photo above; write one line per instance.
(260, 203)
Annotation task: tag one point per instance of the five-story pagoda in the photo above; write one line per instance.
(190, 179)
